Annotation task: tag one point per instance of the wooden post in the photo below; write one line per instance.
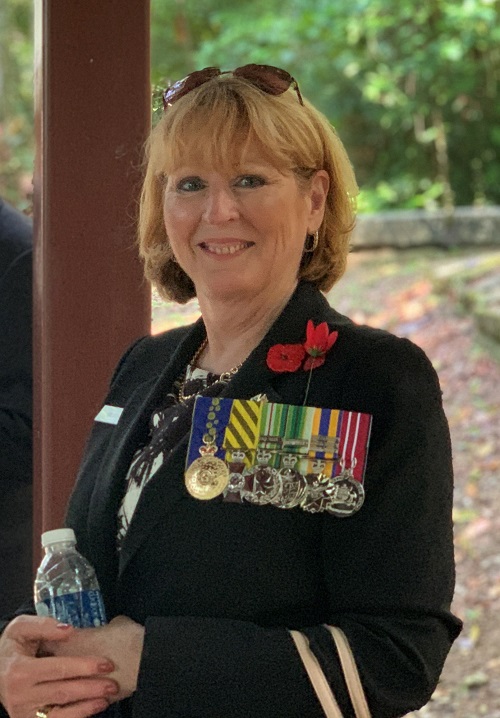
(92, 115)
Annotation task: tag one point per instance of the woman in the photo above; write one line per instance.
(248, 204)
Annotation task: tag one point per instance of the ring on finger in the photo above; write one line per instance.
(43, 712)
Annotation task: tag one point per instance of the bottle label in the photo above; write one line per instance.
(84, 609)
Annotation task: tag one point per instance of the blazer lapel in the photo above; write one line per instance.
(130, 433)
(157, 500)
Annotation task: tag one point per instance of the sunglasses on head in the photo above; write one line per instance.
(268, 79)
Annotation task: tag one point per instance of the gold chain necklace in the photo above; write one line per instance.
(224, 377)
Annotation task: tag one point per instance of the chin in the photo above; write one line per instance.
(230, 289)
(230, 293)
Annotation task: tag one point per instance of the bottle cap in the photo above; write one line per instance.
(57, 536)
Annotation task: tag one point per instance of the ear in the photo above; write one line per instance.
(318, 191)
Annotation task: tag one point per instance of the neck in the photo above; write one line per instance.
(235, 328)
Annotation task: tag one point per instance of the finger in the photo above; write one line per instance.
(22, 700)
(30, 672)
(29, 629)
(121, 621)
(63, 669)
(66, 693)
(82, 709)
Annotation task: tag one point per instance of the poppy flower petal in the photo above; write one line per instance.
(332, 338)
(285, 357)
(322, 335)
(310, 333)
(314, 362)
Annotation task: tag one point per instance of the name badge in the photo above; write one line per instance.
(109, 414)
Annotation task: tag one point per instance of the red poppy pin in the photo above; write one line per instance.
(285, 357)
(318, 341)
(289, 357)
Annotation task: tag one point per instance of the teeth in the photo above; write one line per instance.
(225, 248)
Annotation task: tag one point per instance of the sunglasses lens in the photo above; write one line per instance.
(271, 80)
(192, 81)
(267, 78)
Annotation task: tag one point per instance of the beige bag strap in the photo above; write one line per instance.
(351, 674)
(316, 676)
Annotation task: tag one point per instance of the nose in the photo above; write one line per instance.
(221, 206)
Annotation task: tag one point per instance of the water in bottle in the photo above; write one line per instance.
(66, 586)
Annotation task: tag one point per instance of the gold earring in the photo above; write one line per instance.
(311, 242)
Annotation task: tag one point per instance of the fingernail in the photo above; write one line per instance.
(105, 667)
(111, 689)
(64, 626)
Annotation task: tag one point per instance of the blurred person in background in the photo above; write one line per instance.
(16, 244)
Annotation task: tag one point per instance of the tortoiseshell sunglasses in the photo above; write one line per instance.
(268, 79)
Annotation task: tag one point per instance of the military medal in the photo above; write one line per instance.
(207, 477)
(346, 494)
(278, 455)
(263, 484)
(317, 483)
(293, 485)
(237, 476)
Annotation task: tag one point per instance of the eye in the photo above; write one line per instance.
(250, 181)
(190, 184)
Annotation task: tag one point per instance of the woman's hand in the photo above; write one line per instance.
(78, 687)
(121, 642)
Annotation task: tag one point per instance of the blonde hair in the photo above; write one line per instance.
(215, 123)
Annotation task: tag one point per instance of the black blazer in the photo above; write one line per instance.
(217, 584)
(15, 407)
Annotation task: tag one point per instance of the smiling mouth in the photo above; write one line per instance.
(225, 248)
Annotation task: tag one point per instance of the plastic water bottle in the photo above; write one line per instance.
(66, 586)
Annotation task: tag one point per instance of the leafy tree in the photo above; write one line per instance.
(16, 101)
(412, 87)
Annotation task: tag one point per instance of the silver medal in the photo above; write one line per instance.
(345, 495)
(263, 484)
(292, 485)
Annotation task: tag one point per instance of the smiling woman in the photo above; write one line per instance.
(232, 127)
(239, 234)
(276, 488)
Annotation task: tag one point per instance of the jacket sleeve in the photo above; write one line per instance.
(388, 573)
(392, 584)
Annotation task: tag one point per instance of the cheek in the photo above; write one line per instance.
(176, 219)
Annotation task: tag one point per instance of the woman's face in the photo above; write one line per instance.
(241, 233)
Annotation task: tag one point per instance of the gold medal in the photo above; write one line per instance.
(207, 477)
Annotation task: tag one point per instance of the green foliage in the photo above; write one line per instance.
(411, 87)
(16, 101)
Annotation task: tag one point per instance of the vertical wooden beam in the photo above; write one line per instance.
(92, 115)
